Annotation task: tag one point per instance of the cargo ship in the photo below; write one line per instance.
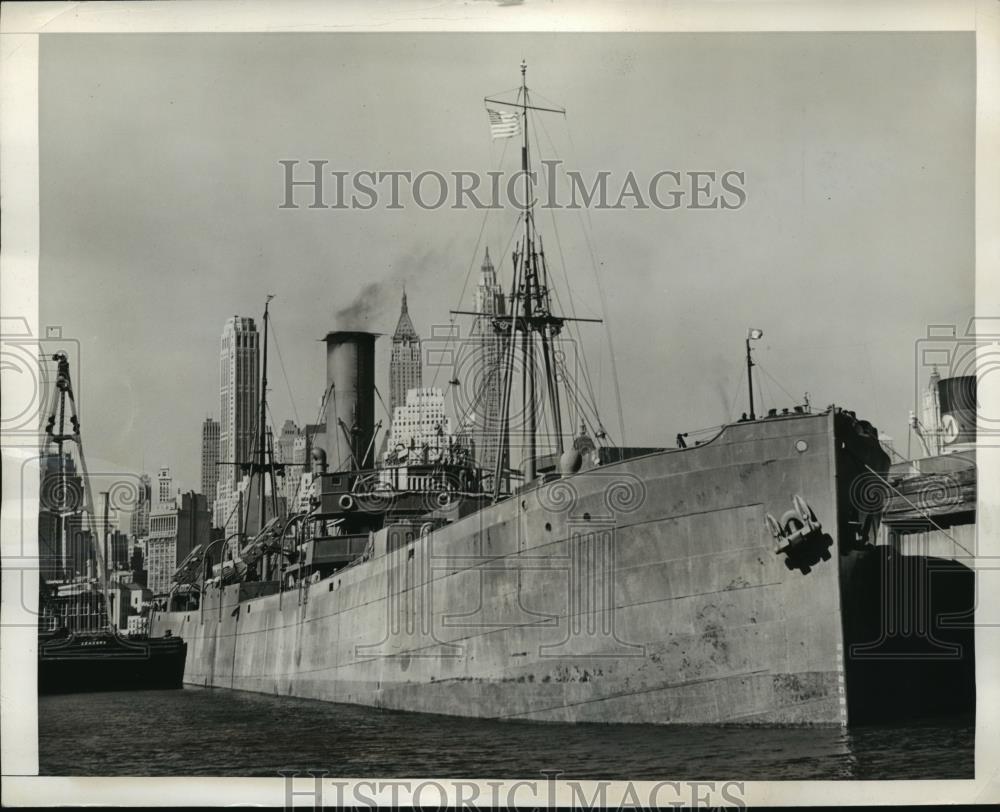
(80, 649)
(736, 580)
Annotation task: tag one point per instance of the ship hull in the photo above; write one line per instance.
(645, 591)
(107, 662)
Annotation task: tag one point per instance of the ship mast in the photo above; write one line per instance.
(260, 464)
(531, 311)
(265, 466)
(536, 308)
(528, 254)
(262, 436)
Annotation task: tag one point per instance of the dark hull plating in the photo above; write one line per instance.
(106, 662)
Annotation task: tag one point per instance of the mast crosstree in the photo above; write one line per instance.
(531, 313)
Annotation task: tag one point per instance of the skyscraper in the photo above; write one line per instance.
(139, 521)
(421, 431)
(175, 528)
(60, 518)
(309, 437)
(405, 366)
(420, 441)
(209, 459)
(286, 442)
(483, 381)
(165, 485)
(284, 452)
(239, 376)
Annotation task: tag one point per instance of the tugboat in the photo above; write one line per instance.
(79, 647)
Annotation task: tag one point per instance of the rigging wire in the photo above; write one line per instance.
(545, 415)
(88, 507)
(594, 425)
(255, 439)
(546, 100)
(731, 412)
(917, 508)
(892, 450)
(510, 240)
(707, 430)
(765, 394)
(504, 455)
(274, 424)
(604, 305)
(281, 363)
(502, 92)
(573, 328)
(472, 264)
(581, 411)
(775, 380)
(380, 400)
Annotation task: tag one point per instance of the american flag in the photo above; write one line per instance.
(504, 125)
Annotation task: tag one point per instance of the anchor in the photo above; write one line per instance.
(795, 526)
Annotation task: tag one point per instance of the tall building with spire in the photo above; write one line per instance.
(405, 365)
(209, 459)
(484, 389)
(239, 387)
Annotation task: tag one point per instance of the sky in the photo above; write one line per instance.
(161, 193)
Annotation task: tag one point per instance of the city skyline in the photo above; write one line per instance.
(675, 447)
(827, 140)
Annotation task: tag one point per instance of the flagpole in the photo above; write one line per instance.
(752, 334)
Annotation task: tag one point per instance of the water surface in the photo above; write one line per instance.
(215, 732)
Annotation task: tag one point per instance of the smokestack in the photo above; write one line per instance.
(957, 397)
(350, 406)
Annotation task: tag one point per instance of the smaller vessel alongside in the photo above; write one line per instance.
(79, 648)
(71, 662)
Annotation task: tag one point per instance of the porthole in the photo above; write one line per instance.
(801, 446)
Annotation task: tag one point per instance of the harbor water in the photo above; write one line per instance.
(209, 732)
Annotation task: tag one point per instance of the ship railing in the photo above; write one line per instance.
(705, 435)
